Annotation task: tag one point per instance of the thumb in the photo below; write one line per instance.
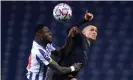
(86, 11)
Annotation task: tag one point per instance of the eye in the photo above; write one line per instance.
(47, 30)
(92, 29)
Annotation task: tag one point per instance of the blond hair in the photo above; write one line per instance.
(85, 28)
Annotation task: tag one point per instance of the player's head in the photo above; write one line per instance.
(90, 32)
(43, 32)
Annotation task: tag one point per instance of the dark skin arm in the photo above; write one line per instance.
(58, 68)
(63, 70)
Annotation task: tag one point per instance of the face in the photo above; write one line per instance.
(46, 34)
(90, 32)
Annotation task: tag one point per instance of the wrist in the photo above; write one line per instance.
(72, 68)
(85, 20)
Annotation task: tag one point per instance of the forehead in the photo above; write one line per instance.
(45, 28)
(91, 27)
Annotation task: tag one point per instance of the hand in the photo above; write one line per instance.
(72, 32)
(77, 66)
(88, 16)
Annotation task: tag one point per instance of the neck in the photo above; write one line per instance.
(89, 42)
(41, 42)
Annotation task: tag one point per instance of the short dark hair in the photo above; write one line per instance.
(39, 27)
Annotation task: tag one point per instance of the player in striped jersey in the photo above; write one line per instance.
(40, 57)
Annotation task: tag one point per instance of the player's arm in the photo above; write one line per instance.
(87, 17)
(69, 43)
(64, 70)
(67, 48)
(45, 59)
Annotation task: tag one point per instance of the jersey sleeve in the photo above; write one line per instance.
(43, 57)
(53, 47)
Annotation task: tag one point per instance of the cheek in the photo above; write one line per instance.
(88, 35)
(46, 35)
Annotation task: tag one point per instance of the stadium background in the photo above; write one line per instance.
(110, 58)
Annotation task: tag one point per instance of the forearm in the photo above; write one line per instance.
(81, 23)
(58, 68)
(66, 49)
(64, 70)
(87, 17)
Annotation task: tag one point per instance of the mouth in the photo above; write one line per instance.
(93, 36)
(50, 37)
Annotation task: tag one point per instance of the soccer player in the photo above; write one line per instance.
(80, 44)
(40, 57)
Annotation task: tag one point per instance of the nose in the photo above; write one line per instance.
(95, 33)
(50, 33)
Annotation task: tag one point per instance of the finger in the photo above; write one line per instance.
(75, 29)
(79, 63)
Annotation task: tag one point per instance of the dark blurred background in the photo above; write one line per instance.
(110, 57)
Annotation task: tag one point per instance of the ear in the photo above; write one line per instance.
(38, 34)
(83, 32)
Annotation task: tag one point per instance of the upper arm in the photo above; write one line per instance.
(54, 65)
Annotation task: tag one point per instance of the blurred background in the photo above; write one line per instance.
(110, 57)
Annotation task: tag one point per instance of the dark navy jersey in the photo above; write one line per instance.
(78, 54)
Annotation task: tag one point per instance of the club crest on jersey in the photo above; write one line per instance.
(45, 55)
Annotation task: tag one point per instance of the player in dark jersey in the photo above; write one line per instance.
(80, 44)
(77, 48)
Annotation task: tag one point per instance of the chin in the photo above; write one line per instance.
(50, 40)
(92, 39)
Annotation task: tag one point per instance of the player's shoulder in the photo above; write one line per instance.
(36, 48)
